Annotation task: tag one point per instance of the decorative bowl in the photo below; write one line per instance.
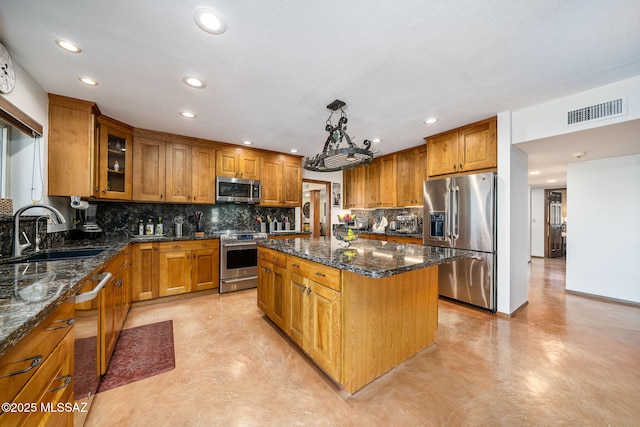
(346, 237)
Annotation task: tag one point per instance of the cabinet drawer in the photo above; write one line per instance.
(274, 257)
(188, 245)
(51, 384)
(28, 355)
(319, 273)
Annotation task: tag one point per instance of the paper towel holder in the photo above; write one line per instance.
(77, 203)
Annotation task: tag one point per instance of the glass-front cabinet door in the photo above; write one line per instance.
(115, 160)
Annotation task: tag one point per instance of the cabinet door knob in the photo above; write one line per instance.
(303, 289)
(309, 290)
(104, 191)
(320, 274)
(460, 166)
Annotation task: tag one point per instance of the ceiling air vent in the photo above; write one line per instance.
(596, 112)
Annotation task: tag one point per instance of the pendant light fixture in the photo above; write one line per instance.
(333, 156)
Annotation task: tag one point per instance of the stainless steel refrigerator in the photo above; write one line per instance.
(460, 212)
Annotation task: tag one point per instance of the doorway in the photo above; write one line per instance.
(316, 207)
(555, 223)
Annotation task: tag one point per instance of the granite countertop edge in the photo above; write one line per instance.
(17, 320)
(315, 253)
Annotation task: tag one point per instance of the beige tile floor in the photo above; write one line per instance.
(564, 360)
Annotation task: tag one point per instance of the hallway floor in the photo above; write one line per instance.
(563, 360)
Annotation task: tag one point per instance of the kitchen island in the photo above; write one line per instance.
(356, 311)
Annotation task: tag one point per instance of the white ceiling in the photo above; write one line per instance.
(270, 76)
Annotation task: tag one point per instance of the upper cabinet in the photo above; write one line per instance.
(115, 159)
(149, 166)
(238, 163)
(467, 149)
(411, 169)
(381, 182)
(172, 168)
(72, 148)
(281, 180)
(355, 182)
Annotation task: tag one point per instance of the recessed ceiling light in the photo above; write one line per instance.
(210, 21)
(68, 46)
(193, 82)
(247, 142)
(534, 173)
(88, 81)
(293, 150)
(579, 154)
(188, 115)
(431, 120)
(376, 140)
(551, 180)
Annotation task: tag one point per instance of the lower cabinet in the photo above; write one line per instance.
(272, 293)
(304, 300)
(171, 268)
(38, 371)
(115, 301)
(145, 271)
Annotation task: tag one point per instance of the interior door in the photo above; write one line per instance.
(554, 247)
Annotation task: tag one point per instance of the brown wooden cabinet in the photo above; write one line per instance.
(381, 182)
(271, 180)
(355, 183)
(71, 147)
(314, 312)
(272, 295)
(115, 301)
(292, 181)
(115, 160)
(238, 163)
(281, 180)
(170, 168)
(203, 174)
(39, 370)
(205, 272)
(149, 169)
(145, 271)
(178, 173)
(467, 149)
(187, 266)
(411, 169)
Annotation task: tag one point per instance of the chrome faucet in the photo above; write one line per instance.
(17, 246)
(38, 239)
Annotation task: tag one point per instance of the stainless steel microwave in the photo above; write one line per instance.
(237, 190)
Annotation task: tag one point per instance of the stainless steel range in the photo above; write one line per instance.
(239, 259)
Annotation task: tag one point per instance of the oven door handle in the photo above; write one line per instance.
(227, 245)
(88, 296)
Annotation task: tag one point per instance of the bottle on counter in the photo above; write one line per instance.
(159, 227)
(141, 228)
(149, 229)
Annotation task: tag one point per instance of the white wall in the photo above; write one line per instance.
(548, 119)
(603, 242)
(513, 218)
(537, 222)
(29, 97)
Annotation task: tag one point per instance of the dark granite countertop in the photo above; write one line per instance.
(29, 292)
(393, 233)
(371, 258)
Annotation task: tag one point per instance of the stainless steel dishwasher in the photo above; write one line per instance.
(87, 344)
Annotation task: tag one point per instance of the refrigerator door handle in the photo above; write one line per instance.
(448, 217)
(456, 218)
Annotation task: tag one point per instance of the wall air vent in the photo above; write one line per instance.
(596, 112)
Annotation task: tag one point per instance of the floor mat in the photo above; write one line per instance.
(140, 352)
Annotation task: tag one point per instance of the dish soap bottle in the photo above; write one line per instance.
(149, 229)
(141, 228)
(159, 227)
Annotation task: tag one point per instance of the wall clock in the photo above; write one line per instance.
(7, 72)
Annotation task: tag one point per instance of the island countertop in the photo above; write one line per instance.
(371, 258)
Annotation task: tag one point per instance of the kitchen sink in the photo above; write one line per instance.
(61, 255)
